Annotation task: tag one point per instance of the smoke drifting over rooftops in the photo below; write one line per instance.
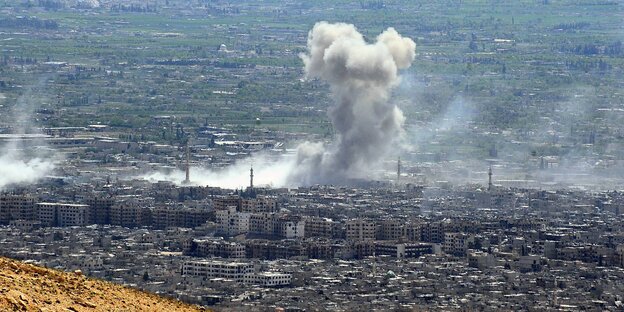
(267, 172)
(361, 76)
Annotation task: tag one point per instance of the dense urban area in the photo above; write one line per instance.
(197, 150)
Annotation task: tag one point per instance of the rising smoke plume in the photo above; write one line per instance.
(25, 162)
(361, 76)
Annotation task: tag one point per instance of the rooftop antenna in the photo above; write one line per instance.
(374, 263)
(490, 179)
(399, 170)
(188, 165)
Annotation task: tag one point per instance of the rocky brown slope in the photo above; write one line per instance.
(25, 287)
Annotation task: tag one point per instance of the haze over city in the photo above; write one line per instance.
(385, 155)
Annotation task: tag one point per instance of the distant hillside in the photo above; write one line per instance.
(25, 287)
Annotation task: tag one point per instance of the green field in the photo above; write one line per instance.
(512, 62)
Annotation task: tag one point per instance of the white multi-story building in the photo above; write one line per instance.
(218, 269)
(230, 222)
(268, 279)
(239, 272)
(295, 229)
(290, 227)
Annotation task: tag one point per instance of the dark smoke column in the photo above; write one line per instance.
(361, 76)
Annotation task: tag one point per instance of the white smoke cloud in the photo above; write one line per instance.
(360, 76)
(267, 172)
(25, 162)
(15, 168)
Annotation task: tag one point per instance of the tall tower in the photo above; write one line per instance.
(490, 179)
(188, 164)
(251, 178)
(399, 170)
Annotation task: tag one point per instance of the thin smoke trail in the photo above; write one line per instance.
(21, 162)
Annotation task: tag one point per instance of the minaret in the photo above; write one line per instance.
(399, 170)
(490, 179)
(251, 178)
(188, 165)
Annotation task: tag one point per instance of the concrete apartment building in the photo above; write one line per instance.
(223, 203)
(239, 272)
(61, 214)
(130, 214)
(165, 217)
(231, 222)
(17, 207)
(218, 269)
(262, 224)
(251, 205)
(456, 243)
(402, 250)
(260, 204)
(433, 232)
(100, 209)
(268, 279)
(214, 248)
(318, 227)
(289, 227)
(391, 229)
(360, 230)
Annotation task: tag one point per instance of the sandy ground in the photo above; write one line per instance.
(25, 287)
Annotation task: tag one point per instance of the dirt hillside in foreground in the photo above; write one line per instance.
(25, 287)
